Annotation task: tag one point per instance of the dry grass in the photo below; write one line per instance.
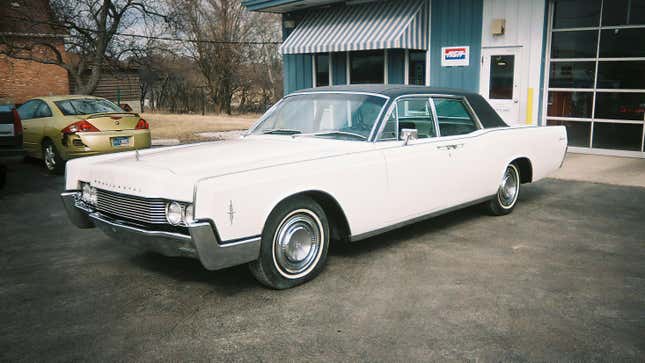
(184, 127)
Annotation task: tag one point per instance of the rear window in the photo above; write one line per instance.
(86, 106)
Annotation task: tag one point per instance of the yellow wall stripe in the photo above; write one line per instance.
(529, 106)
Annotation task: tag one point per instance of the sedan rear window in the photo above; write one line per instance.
(86, 106)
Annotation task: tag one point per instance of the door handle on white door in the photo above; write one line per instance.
(450, 147)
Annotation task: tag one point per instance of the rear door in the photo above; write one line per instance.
(462, 139)
(420, 172)
(34, 115)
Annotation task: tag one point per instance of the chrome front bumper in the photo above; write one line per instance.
(202, 243)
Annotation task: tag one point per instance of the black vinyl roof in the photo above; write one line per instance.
(487, 115)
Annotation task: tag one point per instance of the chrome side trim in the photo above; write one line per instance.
(375, 232)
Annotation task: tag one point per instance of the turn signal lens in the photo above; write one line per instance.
(79, 126)
(142, 124)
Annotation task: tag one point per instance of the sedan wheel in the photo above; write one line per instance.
(53, 162)
(294, 246)
(507, 193)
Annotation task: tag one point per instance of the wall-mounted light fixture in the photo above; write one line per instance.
(498, 26)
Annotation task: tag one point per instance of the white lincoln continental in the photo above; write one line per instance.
(321, 166)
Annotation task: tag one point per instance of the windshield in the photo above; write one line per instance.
(86, 106)
(331, 115)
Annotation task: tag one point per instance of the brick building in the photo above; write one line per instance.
(20, 79)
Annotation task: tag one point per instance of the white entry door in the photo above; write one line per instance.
(500, 82)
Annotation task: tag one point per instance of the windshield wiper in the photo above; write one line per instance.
(343, 133)
(281, 132)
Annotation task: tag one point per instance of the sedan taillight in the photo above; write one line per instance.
(79, 126)
(142, 124)
(17, 124)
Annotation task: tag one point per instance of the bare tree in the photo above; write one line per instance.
(89, 28)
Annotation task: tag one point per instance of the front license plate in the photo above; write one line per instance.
(120, 141)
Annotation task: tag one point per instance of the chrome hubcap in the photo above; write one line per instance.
(297, 244)
(509, 187)
(50, 157)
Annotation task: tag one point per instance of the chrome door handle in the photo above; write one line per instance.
(450, 147)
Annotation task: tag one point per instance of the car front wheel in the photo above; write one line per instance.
(294, 246)
(507, 192)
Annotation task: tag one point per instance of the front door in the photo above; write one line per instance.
(500, 82)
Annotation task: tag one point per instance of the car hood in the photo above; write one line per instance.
(213, 159)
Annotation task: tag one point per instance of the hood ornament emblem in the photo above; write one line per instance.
(136, 155)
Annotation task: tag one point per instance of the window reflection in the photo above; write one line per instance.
(572, 74)
(570, 104)
(322, 70)
(617, 136)
(576, 13)
(574, 44)
(624, 12)
(367, 67)
(620, 106)
(622, 43)
(417, 67)
(501, 77)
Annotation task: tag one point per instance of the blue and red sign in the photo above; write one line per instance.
(455, 56)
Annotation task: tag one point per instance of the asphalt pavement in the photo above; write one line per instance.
(560, 279)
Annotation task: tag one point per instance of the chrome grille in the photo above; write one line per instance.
(147, 210)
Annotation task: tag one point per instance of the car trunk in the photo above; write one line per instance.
(113, 121)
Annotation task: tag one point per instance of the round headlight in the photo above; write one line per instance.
(87, 190)
(189, 214)
(174, 213)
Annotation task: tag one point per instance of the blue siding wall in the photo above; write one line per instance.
(297, 72)
(456, 22)
(339, 70)
(395, 65)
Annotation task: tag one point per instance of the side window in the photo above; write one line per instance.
(453, 117)
(43, 110)
(416, 113)
(28, 110)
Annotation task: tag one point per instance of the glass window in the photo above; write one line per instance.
(570, 104)
(322, 70)
(574, 44)
(620, 106)
(622, 43)
(626, 74)
(501, 77)
(43, 110)
(86, 106)
(578, 132)
(367, 67)
(417, 67)
(572, 74)
(624, 12)
(416, 113)
(453, 117)
(617, 136)
(340, 116)
(28, 109)
(576, 13)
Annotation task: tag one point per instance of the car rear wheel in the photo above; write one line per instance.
(294, 246)
(507, 193)
(52, 160)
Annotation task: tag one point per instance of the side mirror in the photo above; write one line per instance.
(408, 134)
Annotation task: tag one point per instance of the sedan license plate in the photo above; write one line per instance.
(120, 141)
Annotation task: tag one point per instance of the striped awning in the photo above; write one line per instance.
(376, 25)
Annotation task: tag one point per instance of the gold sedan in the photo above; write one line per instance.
(59, 128)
